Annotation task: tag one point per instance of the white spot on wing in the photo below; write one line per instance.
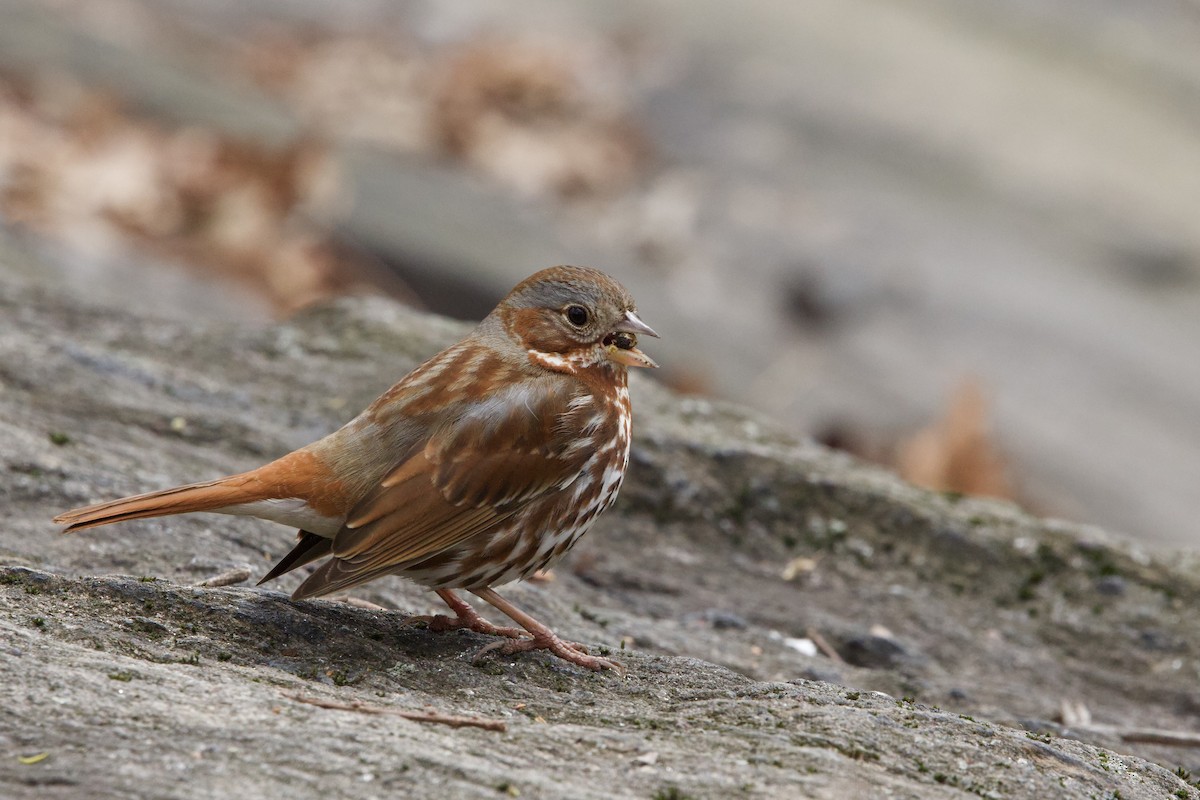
(496, 405)
(580, 401)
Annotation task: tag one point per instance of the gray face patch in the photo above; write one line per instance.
(573, 284)
(558, 294)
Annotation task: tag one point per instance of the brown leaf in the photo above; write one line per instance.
(957, 454)
(521, 112)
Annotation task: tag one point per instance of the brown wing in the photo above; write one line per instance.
(474, 472)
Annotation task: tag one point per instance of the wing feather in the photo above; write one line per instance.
(476, 470)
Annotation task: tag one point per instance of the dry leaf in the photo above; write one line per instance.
(76, 166)
(957, 454)
(798, 567)
(520, 112)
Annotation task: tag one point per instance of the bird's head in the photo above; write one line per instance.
(577, 317)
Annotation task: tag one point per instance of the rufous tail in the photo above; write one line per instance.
(234, 490)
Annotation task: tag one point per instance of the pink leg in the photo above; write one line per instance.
(543, 637)
(465, 617)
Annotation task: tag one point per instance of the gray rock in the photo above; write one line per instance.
(875, 652)
(135, 682)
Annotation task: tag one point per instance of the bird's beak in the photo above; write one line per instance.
(630, 358)
(622, 349)
(631, 324)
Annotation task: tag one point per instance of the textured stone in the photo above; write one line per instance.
(135, 682)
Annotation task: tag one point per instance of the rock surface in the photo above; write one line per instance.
(791, 620)
(873, 204)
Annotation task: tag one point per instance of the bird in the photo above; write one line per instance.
(481, 466)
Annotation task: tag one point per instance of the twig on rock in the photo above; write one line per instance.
(824, 646)
(416, 716)
(358, 602)
(229, 577)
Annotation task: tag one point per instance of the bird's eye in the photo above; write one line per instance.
(577, 316)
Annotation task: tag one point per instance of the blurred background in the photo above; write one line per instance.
(956, 237)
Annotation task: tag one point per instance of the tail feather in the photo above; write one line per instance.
(206, 496)
(308, 548)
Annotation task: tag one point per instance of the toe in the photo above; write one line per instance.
(568, 651)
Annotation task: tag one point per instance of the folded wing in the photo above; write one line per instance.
(478, 468)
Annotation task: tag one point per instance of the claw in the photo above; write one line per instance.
(440, 623)
(538, 636)
(465, 617)
(568, 651)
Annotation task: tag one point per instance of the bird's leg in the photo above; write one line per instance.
(465, 617)
(543, 637)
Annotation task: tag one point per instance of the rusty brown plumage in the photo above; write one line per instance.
(483, 465)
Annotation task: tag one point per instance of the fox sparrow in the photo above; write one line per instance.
(483, 465)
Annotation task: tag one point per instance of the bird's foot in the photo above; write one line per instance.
(465, 616)
(440, 623)
(567, 651)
